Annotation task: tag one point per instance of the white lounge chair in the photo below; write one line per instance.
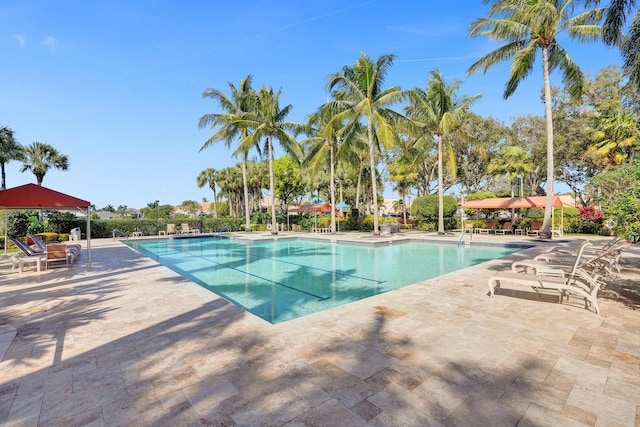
(578, 281)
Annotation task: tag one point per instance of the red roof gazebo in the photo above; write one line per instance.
(32, 196)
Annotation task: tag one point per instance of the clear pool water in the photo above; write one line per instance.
(283, 279)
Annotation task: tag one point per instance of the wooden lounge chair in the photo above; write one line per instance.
(506, 228)
(578, 282)
(58, 254)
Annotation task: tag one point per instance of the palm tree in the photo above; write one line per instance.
(514, 162)
(327, 144)
(615, 138)
(242, 101)
(527, 27)
(39, 158)
(9, 150)
(268, 120)
(209, 177)
(358, 93)
(615, 18)
(403, 170)
(438, 112)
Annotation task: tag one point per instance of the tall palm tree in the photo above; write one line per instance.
(209, 177)
(9, 150)
(268, 120)
(242, 101)
(526, 27)
(359, 93)
(328, 141)
(40, 157)
(439, 112)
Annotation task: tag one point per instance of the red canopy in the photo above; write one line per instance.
(517, 202)
(317, 208)
(32, 196)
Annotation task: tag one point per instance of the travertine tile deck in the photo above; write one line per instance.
(129, 342)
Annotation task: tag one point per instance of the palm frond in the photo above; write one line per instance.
(521, 67)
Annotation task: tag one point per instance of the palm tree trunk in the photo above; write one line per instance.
(545, 233)
(374, 187)
(4, 185)
(245, 184)
(215, 199)
(274, 224)
(440, 193)
(359, 185)
(332, 190)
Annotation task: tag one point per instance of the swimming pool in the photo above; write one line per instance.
(283, 279)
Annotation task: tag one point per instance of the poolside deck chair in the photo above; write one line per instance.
(57, 254)
(506, 228)
(608, 257)
(171, 229)
(490, 227)
(42, 246)
(26, 255)
(184, 229)
(577, 282)
(540, 266)
(535, 228)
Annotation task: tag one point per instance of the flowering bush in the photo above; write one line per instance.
(591, 214)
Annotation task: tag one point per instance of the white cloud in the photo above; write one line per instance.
(50, 42)
(22, 41)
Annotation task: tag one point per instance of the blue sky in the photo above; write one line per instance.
(117, 86)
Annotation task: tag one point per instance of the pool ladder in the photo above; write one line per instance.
(470, 230)
(116, 231)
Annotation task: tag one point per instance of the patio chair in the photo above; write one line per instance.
(607, 256)
(579, 281)
(57, 254)
(42, 246)
(506, 228)
(171, 229)
(26, 255)
(490, 227)
(184, 229)
(535, 228)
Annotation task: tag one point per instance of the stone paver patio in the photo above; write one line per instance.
(128, 342)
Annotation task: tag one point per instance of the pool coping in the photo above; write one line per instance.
(127, 341)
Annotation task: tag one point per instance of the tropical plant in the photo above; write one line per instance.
(439, 113)
(268, 120)
(9, 150)
(209, 177)
(39, 158)
(358, 93)
(330, 140)
(514, 163)
(615, 139)
(615, 20)
(526, 27)
(243, 100)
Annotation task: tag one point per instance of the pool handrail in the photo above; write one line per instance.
(115, 230)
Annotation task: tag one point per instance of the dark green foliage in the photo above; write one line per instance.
(18, 223)
(425, 208)
(62, 222)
